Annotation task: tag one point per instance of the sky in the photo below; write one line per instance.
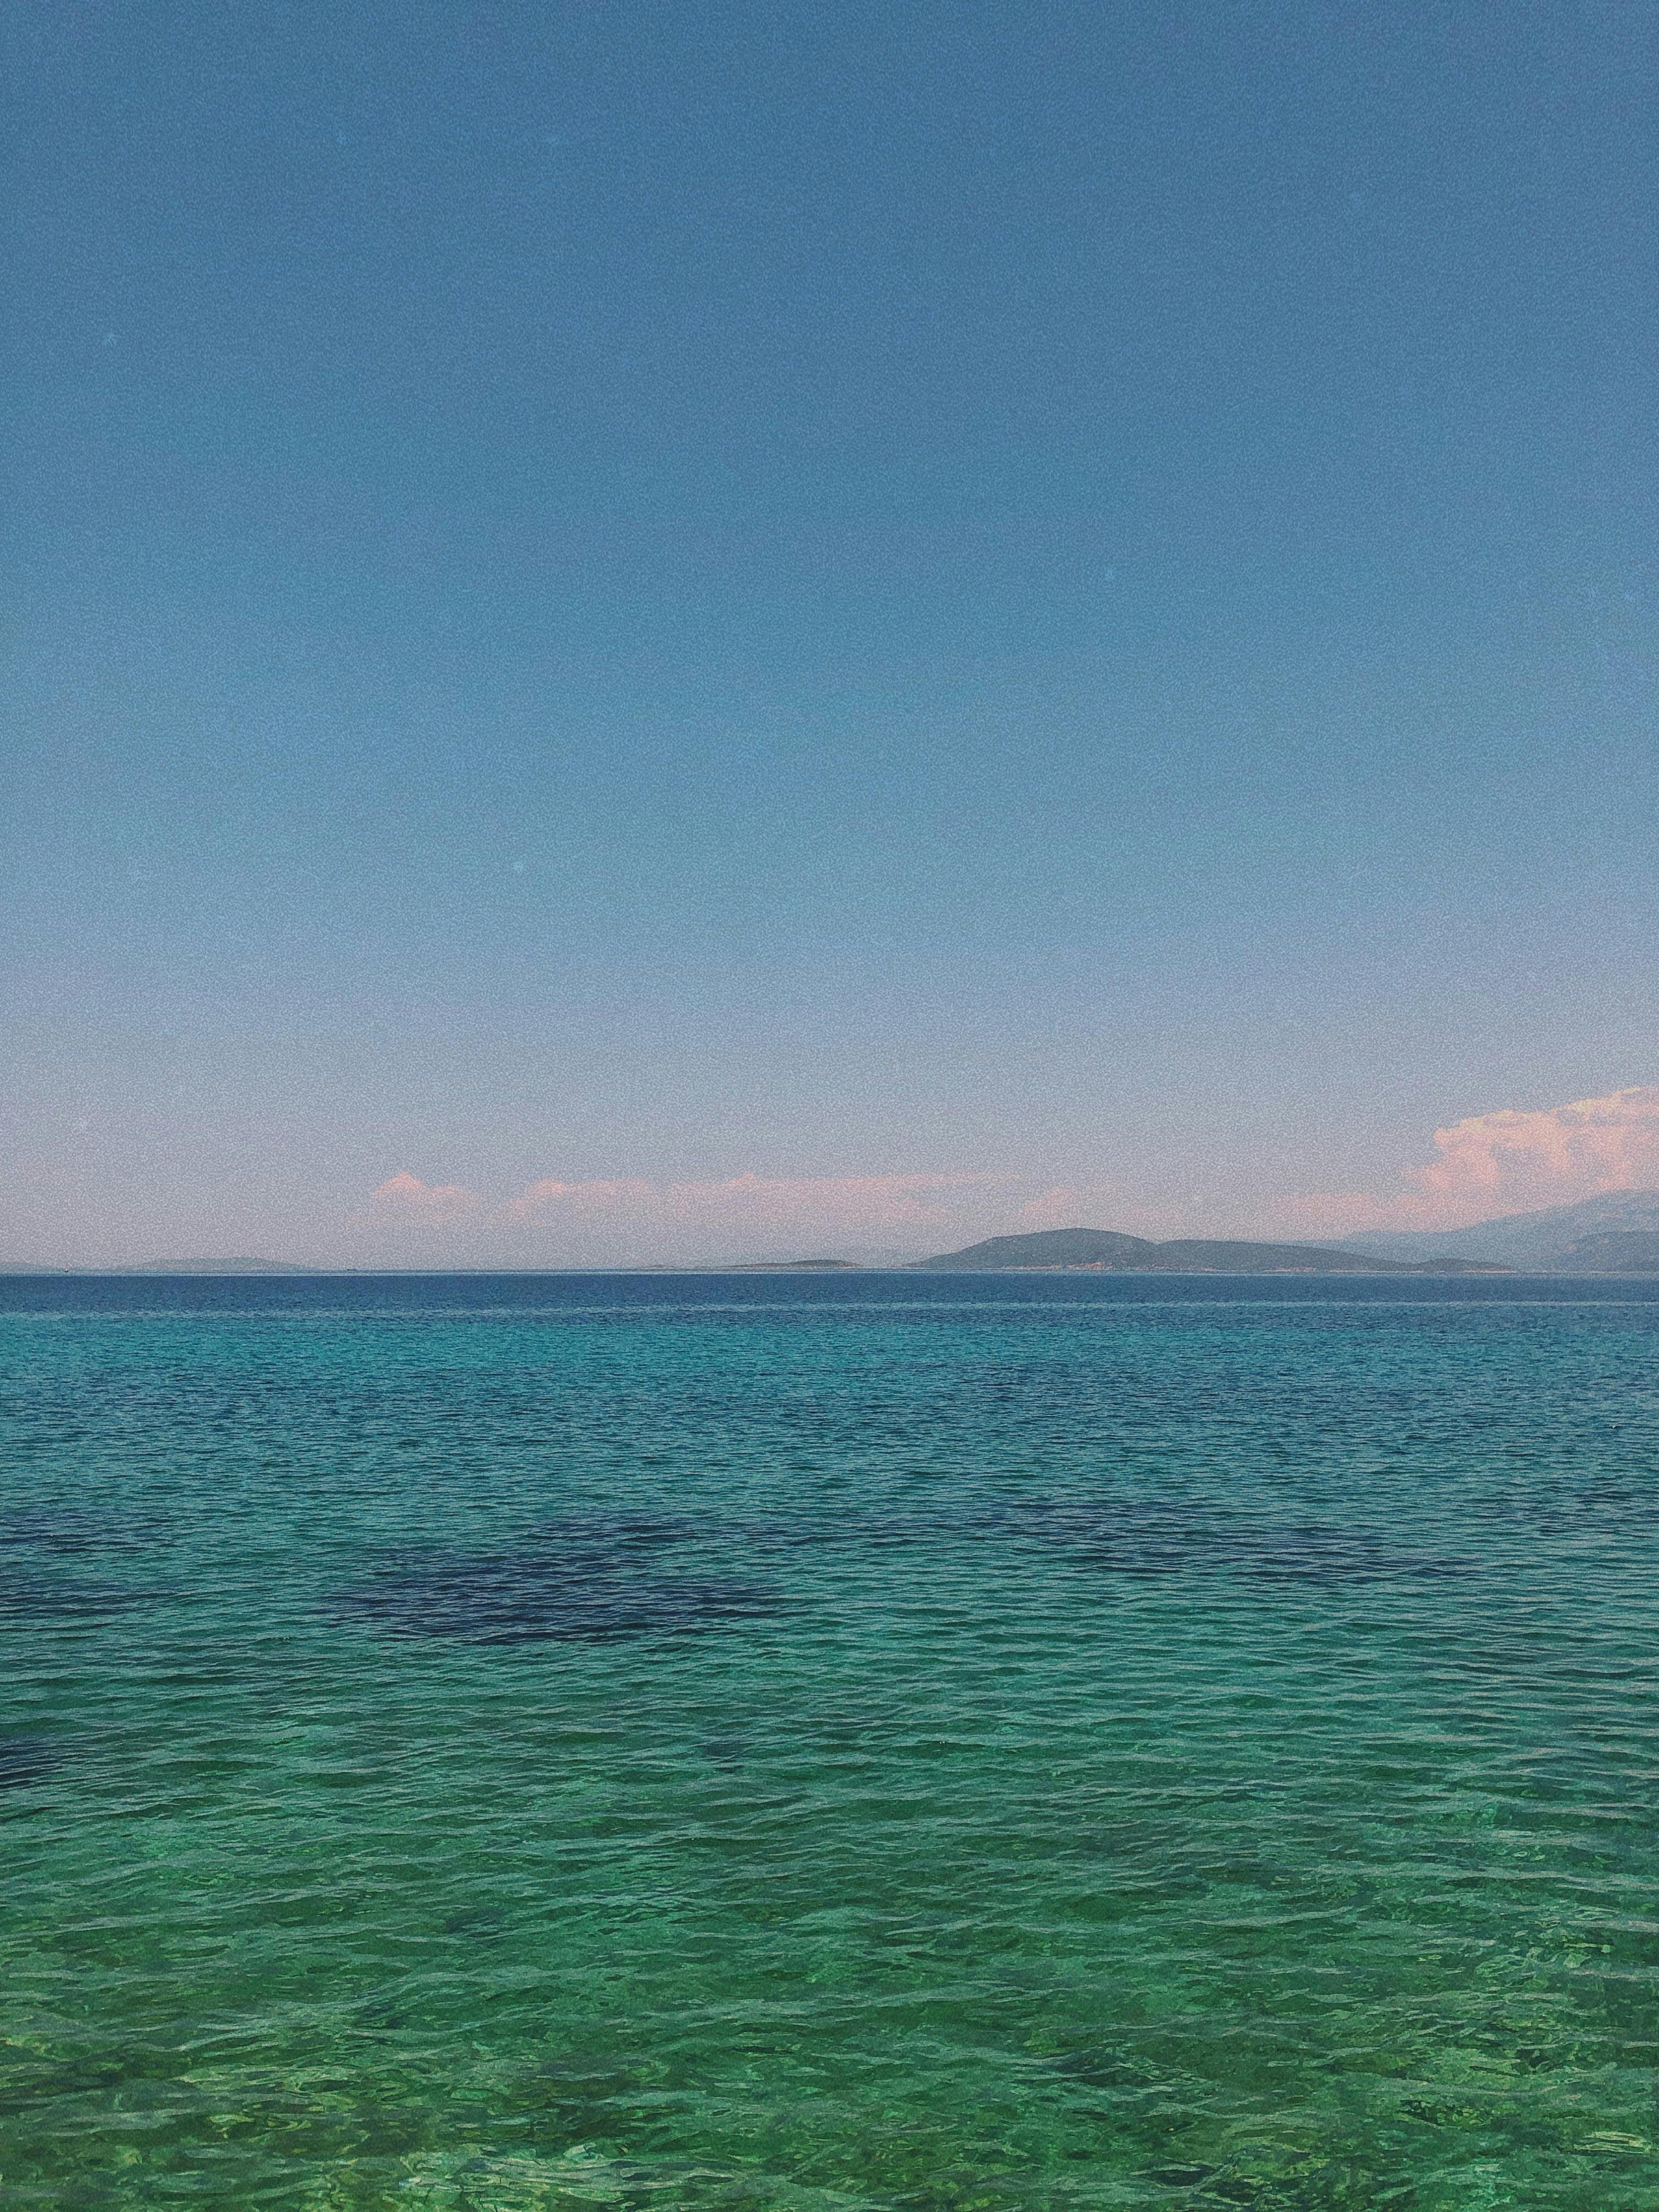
(685, 633)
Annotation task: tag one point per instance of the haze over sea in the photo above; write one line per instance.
(939, 1741)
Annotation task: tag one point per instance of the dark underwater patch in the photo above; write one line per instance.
(27, 1760)
(608, 1578)
(587, 1583)
(726, 1752)
(65, 1532)
(36, 1595)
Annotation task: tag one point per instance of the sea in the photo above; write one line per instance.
(965, 1742)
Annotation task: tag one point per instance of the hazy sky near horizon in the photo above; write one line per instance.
(663, 632)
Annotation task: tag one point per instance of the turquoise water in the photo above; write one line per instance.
(977, 1742)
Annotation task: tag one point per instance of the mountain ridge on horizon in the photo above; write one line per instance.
(1110, 1251)
(1552, 1239)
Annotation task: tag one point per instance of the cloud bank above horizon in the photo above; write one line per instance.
(767, 1214)
(1507, 1160)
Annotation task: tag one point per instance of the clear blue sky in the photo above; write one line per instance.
(1060, 594)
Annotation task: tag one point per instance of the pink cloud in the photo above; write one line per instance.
(1592, 1145)
(405, 1197)
(1511, 1160)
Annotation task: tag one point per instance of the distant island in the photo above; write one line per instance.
(739, 1268)
(1108, 1251)
(795, 1267)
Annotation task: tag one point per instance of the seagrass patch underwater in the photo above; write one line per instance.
(497, 1743)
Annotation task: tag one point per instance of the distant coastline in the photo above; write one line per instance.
(1613, 1234)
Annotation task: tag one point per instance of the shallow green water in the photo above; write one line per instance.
(760, 1743)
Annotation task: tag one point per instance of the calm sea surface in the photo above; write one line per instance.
(478, 1744)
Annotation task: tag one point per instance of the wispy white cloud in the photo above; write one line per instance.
(1509, 1161)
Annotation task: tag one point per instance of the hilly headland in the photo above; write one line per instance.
(1109, 1251)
